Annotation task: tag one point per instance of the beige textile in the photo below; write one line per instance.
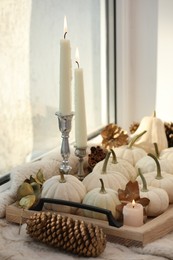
(15, 246)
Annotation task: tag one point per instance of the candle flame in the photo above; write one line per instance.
(65, 26)
(77, 57)
(133, 203)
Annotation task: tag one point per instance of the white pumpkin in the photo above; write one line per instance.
(159, 199)
(102, 198)
(130, 152)
(155, 134)
(66, 187)
(110, 179)
(167, 154)
(118, 165)
(147, 164)
(160, 179)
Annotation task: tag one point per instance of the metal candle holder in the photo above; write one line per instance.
(65, 128)
(80, 153)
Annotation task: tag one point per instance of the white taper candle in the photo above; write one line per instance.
(65, 74)
(80, 113)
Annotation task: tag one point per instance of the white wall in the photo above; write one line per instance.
(136, 59)
(164, 96)
(144, 59)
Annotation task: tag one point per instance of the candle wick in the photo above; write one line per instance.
(77, 63)
(65, 35)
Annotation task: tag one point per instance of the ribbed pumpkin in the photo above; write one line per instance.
(110, 179)
(118, 165)
(130, 152)
(102, 198)
(147, 164)
(66, 187)
(155, 134)
(167, 154)
(159, 200)
(160, 179)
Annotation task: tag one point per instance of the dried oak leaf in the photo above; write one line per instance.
(113, 136)
(130, 193)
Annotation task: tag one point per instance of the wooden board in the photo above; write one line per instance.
(153, 229)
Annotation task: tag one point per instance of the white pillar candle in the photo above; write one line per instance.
(133, 214)
(80, 114)
(65, 74)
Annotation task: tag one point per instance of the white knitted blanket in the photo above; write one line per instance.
(18, 247)
(21, 247)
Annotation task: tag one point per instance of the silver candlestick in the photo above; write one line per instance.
(65, 128)
(80, 153)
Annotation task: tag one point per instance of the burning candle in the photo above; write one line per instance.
(65, 74)
(133, 214)
(80, 115)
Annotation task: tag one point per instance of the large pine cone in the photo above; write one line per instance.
(65, 233)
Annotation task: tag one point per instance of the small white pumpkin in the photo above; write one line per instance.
(66, 187)
(110, 179)
(147, 164)
(155, 134)
(102, 198)
(167, 154)
(130, 152)
(118, 165)
(160, 179)
(159, 200)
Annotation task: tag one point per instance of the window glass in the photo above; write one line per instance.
(30, 33)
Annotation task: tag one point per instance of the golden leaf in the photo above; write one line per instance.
(113, 136)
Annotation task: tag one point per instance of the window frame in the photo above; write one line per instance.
(111, 80)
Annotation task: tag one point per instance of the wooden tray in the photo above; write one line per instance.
(153, 229)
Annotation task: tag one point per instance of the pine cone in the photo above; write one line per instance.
(133, 127)
(67, 234)
(169, 133)
(96, 155)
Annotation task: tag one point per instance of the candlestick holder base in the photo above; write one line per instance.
(80, 153)
(64, 122)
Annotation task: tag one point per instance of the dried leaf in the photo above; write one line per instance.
(40, 177)
(24, 189)
(37, 189)
(113, 136)
(27, 201)
(144, 201)
(31, 186)
(130, 193)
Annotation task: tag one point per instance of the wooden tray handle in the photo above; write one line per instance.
(111, 220)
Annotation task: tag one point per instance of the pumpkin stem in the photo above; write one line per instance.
(158, 176)
(154, 113)
(135, 138)
(102, 190)
(62, 179)
(114, 158)
(156, 150)
(105, 162)
(144, 183)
